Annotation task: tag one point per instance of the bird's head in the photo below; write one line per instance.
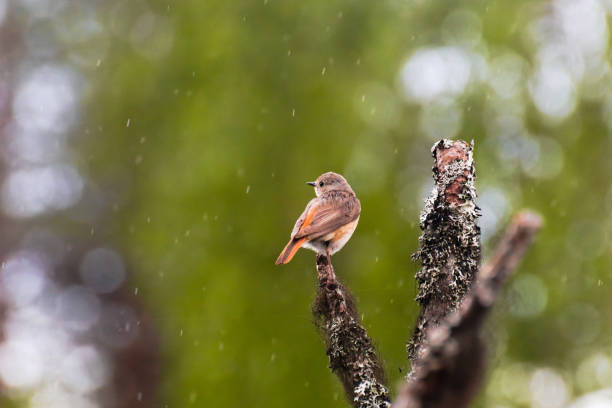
(330, 181)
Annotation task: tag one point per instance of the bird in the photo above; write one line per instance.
(328, 221)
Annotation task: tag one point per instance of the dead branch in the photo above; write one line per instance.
(446, 349)
(352, 356)
(449, 247)
(450, 369)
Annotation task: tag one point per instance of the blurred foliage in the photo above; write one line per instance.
(208, 129)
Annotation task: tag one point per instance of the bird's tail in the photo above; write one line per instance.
(290, 251)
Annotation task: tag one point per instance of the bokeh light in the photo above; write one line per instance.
(548, 389)
(153, 158)
(102, 270)
(529, 296)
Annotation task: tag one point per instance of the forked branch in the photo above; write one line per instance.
(450, 369)
(446, 349)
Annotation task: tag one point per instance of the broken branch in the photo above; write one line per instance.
(449, 247)
(450, 369)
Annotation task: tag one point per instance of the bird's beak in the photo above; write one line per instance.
(311, 183)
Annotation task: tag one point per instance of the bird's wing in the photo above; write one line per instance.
(305, 216)
(328, 215)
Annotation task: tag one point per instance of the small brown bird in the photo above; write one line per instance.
(328, 221)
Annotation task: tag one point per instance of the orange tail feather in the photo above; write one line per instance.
(290, 251)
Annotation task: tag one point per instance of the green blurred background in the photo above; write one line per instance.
(201, 121)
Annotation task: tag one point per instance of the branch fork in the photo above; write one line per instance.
(456, 294)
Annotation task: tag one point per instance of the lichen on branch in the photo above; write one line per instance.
(352, 355)
(449, 246)
(446, 350)
(451, 367)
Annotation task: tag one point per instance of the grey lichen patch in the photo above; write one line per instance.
(449, 246)
(352, 355)
(449, 370)
(371, 395)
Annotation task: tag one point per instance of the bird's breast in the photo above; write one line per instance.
(341, 236)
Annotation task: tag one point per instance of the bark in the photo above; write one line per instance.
(446, 350)
(352, 355)
(450, 369)
(449, 247)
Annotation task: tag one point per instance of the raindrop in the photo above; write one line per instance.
(380, 108)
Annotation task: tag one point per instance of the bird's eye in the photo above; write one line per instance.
(320, 184)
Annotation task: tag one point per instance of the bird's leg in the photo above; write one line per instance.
(327, 279)
(337, 289)
(331, 267)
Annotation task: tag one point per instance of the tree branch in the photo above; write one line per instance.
(450, 369)
(352, 355)
(449, 247)
(446, 349)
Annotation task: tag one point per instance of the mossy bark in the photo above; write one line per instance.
(450, 368)
(352, 355)
(449, 247)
